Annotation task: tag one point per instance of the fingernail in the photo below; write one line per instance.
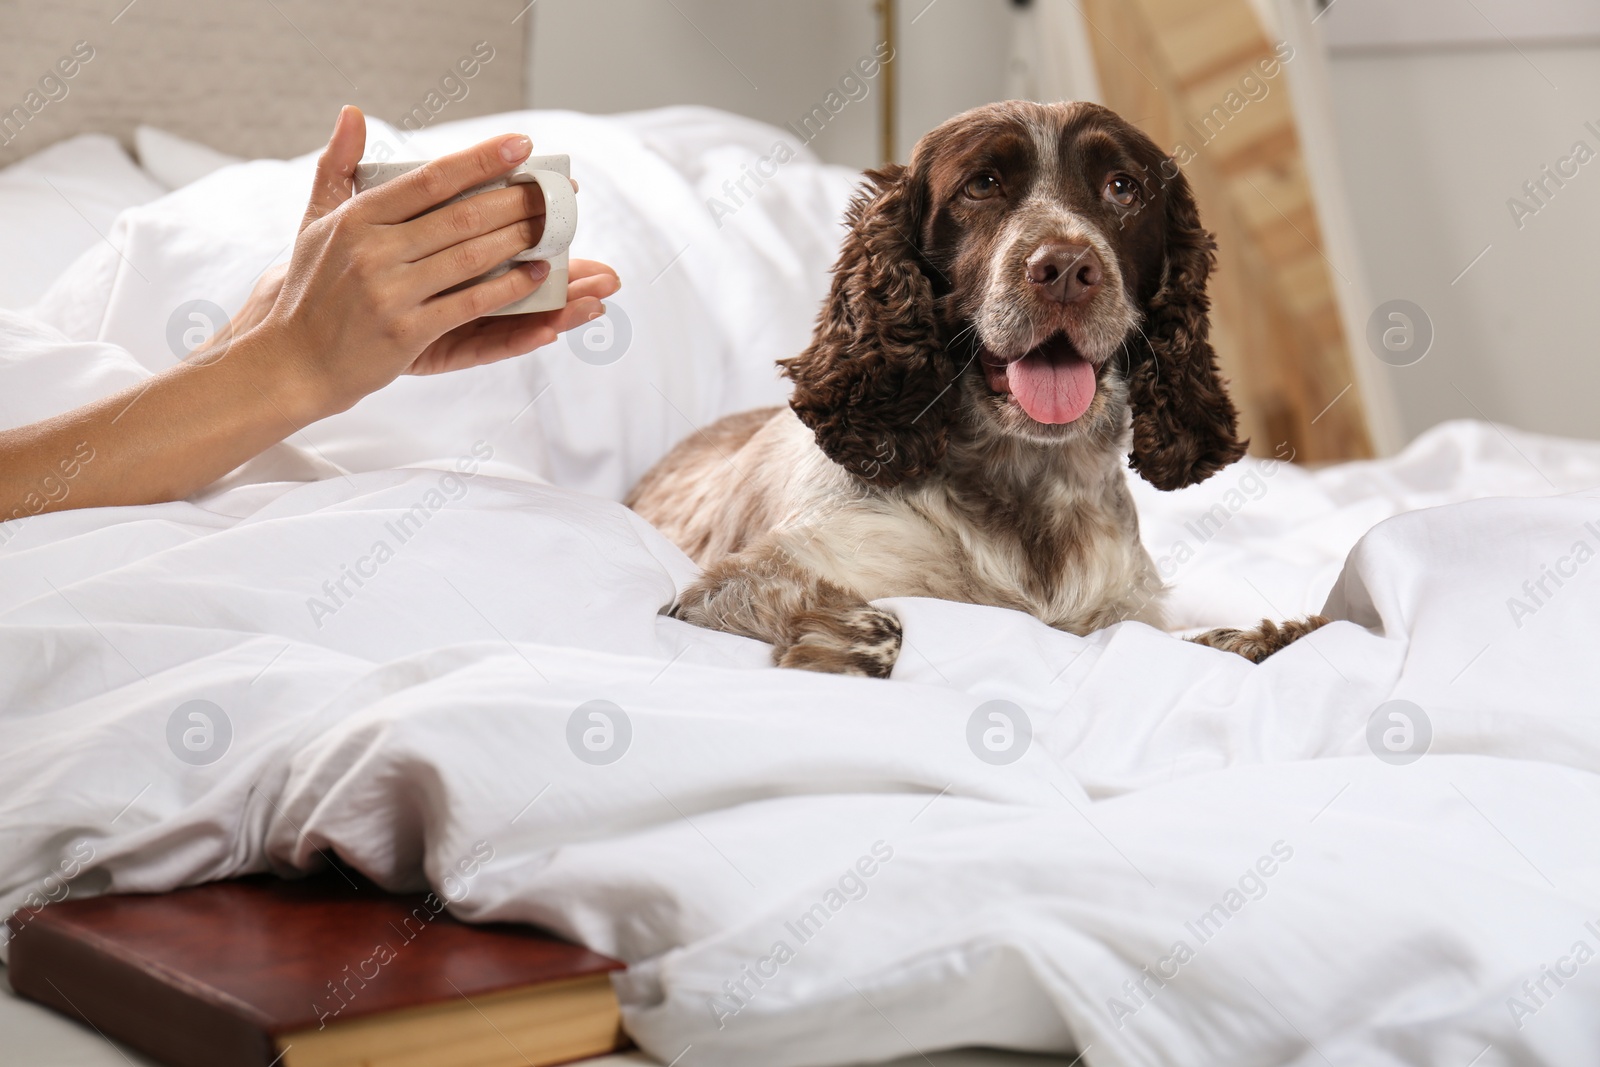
(538, 270)
(515, 149)
(597, 314)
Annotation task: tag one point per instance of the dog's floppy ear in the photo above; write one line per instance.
(1185, 428)
(874, 384)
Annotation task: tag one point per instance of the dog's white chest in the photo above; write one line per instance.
(1079, 574)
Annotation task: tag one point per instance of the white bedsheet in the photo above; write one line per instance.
(1361, 911)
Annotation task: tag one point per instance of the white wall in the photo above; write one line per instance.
(954, 56)
(1387, 24)
(1434, 144)
(770, 59)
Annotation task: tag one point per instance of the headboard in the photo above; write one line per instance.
(250, 77)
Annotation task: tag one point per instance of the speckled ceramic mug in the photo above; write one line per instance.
(552, 174)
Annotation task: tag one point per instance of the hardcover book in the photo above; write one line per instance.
(326, 972)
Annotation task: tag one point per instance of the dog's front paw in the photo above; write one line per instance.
(1257, 644)
(697, 604)
(860, 640)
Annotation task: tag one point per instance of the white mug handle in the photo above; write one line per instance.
(560, 212)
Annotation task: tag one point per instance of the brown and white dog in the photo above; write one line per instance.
(1011, 314)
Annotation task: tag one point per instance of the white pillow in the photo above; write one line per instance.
(176, 161)
(58, 203)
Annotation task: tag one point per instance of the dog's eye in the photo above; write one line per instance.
(1122, 190)
(982, 187)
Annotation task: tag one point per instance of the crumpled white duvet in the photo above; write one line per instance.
(1189, 859)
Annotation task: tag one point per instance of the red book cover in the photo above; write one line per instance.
(220, 975)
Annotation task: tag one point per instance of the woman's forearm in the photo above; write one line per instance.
(372, 291)
(162, 440)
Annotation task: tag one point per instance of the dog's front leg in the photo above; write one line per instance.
(812, 623)
(1262, 641)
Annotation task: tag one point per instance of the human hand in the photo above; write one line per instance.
(363, 299)
(256, 306)
(472, 344)
(488, 340)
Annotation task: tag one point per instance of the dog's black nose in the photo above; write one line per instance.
(1066, 272)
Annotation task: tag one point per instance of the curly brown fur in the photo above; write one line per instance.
(1021, 240)
(1257, 644)
(873, 384)
(1185, 428)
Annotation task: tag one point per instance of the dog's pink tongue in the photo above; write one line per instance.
(1052, 387)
